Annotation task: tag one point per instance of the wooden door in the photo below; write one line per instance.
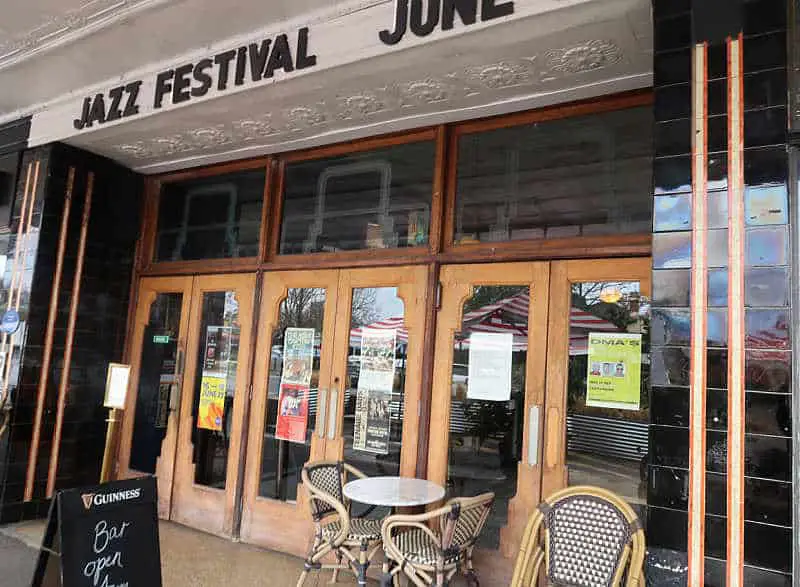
(293, 304)
(377, 370)
(150, 422)
(488, 392)
(212, 403)
(588, 440)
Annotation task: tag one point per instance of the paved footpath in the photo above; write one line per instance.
(16, 562)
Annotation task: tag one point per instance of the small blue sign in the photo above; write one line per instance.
(9, 323)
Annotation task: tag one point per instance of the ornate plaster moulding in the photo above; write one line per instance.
(487, 82)
(59, 29)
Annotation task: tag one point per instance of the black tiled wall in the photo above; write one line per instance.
(100, 328)
(768, 513)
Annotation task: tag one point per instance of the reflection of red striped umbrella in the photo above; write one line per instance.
(395, 323)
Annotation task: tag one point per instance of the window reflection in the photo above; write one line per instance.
(607, 408)
(580, 176)
(376, 375)
(303, 309)
(373, 200)
(487, 398)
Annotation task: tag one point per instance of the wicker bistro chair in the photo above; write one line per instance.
(431, 555)
(348, 537)
(586, 537)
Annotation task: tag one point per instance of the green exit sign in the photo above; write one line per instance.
(161, 339)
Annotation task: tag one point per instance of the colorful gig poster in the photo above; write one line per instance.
(614, 370)
(292, 413)
(298, 366)
(211, 410)
(375, 384)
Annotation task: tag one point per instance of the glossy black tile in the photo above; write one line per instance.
(717, 133)
(672, 212)
(667, 528)
(669, 406)
(672, 33)
(768, 546)
(766, 166)
(670, 327)
(765, 127)
(765, 89)
(767, 329)
(672, 68)
(768, 413)
(755, 577)
(672, 250)
(768, 502)
(717, 536)
(669, 446)
(718, 287)
(668, 8)
(766, 205)
(717, 209)
(717, 97)
(764, 16)
(766, 246)
(669, 366)
(717, 409)
(769, 371)
(717, 328)
(717, 61)
(768, 457)
(716, 494)
(672, 175)
(716, 452)
(764, 52)
(717, 247)
(668, 487)
(673, 138)
(717, 171)
(717, 368)
(671, 288)
(714, 571)
(672, 102)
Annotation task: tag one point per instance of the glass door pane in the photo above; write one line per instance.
(294, 373)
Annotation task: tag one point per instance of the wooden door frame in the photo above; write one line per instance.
(411, 282)
(562, 275)
(457, 284)
(193, 504)
(279, 525)
(149, 289)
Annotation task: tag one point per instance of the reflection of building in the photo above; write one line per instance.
(472, 188)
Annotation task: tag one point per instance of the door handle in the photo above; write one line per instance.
(533, 435)
(179, 362)
(175, 387)
(333, 412)
(322, 404)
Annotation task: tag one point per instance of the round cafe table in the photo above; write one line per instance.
(394, 492)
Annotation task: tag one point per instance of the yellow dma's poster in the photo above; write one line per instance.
(211, 410)
(614, 370)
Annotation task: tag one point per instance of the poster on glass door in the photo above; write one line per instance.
(298, 367)
(214, 378)
(372, 425)
(614, 368)
(489, 370)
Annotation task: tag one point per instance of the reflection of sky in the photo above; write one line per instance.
(387, 304)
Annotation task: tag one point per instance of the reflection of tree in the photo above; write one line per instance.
(302, 308)
(483, 295)
(363, 310)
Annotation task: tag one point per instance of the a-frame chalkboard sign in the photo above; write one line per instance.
(102, 536)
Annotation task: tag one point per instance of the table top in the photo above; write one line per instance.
(393, 491)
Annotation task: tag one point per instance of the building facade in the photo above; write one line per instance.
(501, 245)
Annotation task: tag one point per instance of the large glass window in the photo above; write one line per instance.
(372, 200)
(210, 218)
(582, 176)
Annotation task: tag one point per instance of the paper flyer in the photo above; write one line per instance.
(298, 356)
(377, 359)
(489, 371)
(614, 370)
(211, 410)
(292, 413)
(373, 421)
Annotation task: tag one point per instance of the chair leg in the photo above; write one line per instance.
(363, 563)
(335, 577)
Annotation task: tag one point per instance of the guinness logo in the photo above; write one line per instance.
(87, 499)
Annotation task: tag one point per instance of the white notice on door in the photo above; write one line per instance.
(489, 374)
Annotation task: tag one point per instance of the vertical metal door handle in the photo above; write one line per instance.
(533, 435)
(322, 396)
(179, 363)
(333, 413)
